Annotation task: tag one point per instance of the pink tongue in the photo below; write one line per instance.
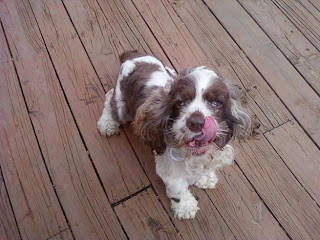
(209, 131)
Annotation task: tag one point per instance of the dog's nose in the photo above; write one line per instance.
(196, 122)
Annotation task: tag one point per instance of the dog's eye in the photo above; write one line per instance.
(181, 103)
(215, 104)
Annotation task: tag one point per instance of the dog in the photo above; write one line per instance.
(187, 119)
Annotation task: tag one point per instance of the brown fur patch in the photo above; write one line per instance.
(129, 55)
(133, 87)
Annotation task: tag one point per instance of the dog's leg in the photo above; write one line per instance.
(106, 124)
(183, 204)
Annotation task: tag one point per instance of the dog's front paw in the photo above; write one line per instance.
(108, 127)
(207, 181)
(185, 209)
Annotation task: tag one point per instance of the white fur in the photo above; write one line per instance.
(158, 78)
(106, 124)
(198, 170)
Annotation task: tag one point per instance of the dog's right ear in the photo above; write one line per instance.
(152, 120)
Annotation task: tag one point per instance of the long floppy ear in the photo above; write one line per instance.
(152, 120)
(244, 126)
(237, 119)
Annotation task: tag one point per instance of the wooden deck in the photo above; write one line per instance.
(60, 179)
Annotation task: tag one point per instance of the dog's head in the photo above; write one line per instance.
(199, 110)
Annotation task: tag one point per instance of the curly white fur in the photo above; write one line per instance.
(178, 171)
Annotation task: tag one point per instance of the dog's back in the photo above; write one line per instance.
(139, 75)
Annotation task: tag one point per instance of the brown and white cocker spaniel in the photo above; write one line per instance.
(187, 119)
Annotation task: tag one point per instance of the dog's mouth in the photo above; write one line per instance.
(200, 144)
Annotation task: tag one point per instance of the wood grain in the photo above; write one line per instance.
(293, 90)
(293, 207)
(302, 18)
(106, 32)
(175, 26)
(113, 157)
(8, 227)
(243, 210)
(82, 197)
(312, 6)
(33, 199)
(292, 43)
(300, 155)
(143, 217)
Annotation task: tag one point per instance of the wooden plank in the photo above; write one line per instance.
(302, 18)
(298, 96)
(300, 155)
(143, 217)
(239, 207)
(106, 34)
(312, 6)
(202, 41)
(8, 226)
(242, 209)
(293, 207)
(292, 43)
(33, 199)
(113, 157)
(81, 195)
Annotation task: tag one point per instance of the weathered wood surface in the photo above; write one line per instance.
(304, 18)
(35, 204)
(143, 217)
(8, 227)
(106, 32)
(293, 207)
(293, 44)
(296, 94)
(66, 57)
(300, 154)
(77, 185)
(63, 235)
(113, 157)
(243, 210)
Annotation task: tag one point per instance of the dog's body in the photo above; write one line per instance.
(187, 120)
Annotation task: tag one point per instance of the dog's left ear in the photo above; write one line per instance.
(238, 119)
(151, 121)
(244, 126)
